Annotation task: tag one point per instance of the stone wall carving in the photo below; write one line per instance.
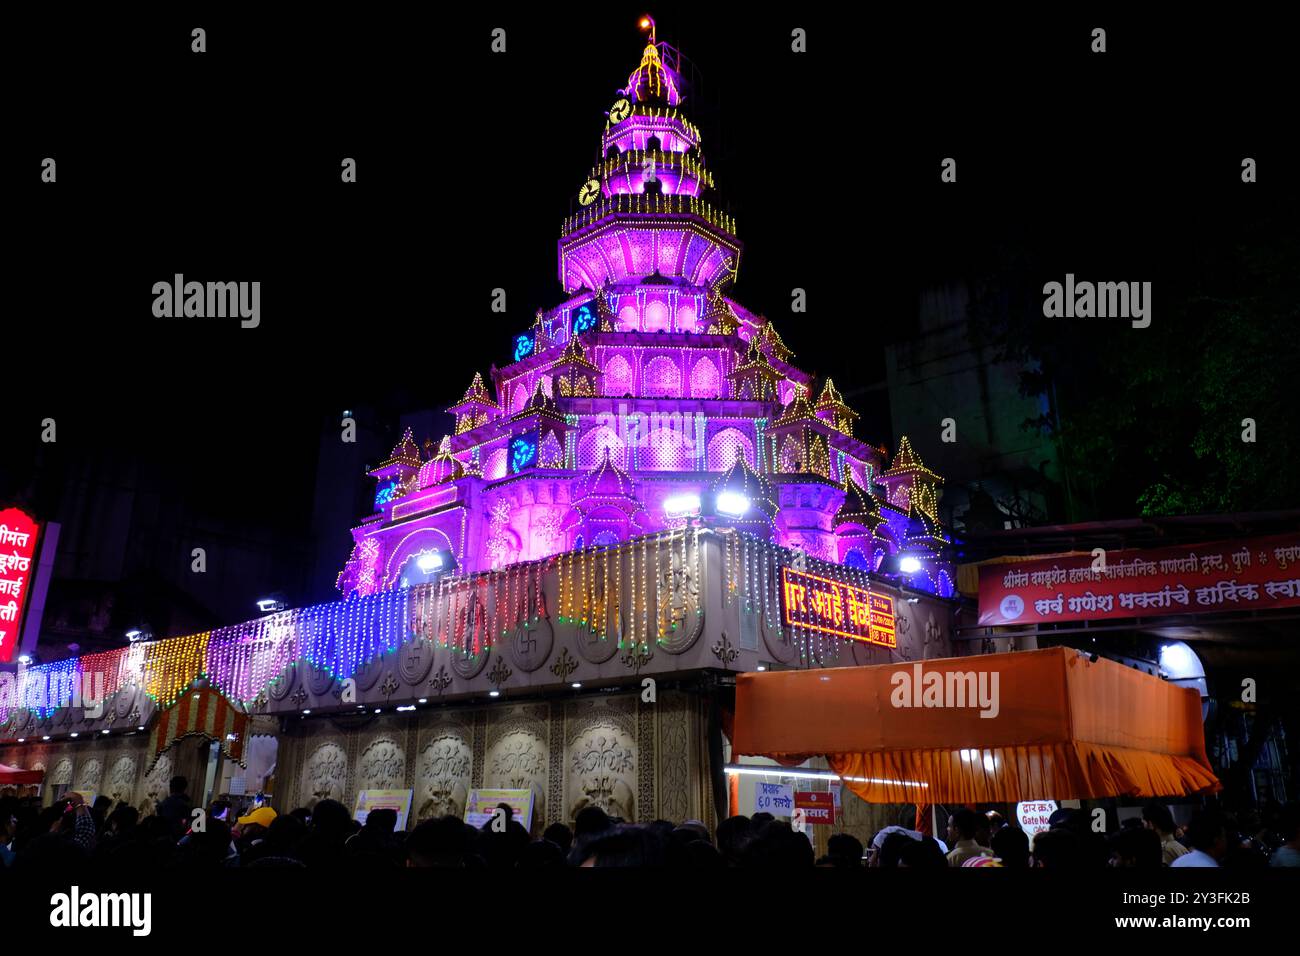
(155, 784)
(442, 780)
(602, 769)
(382, 766)
(121, 783)
(324, 774)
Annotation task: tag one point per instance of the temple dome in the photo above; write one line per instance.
(606, 480)
(743, 480)
(859, 507)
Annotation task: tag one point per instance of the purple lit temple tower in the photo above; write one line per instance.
(649, 490)
(646, 396)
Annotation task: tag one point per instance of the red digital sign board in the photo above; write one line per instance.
(816, 603)
(18, 534)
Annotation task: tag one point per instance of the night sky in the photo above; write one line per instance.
(225, 167)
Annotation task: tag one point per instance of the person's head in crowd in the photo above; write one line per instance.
(302, 813)
(590, 821)
(331, 817)
(923, 854)
(219, 810)
(99, 809)
(122, 820)
(442, 842)
(252, 827)
(1011, 846)
(1057, 850)
(776, 845)
(761, 818)
(996, 822)
(1135, 848)
(208, 847)
(1208, 833)
(733, 833)
(1158, 818)
(540, 853)
(964, 824)
(1132, 823)
(178, 785)
(284, 832)
(560, 835)
(624, 845)
(845, 849)
(983, 829)
(382, 821)
(501, 848)
(891, 848)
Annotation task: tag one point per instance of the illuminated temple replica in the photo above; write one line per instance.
(646, 487)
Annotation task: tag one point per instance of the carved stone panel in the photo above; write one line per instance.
(382, 766)
(62, 773)
(602, 767)
(121, 778)
(324, 774)
(516, 759)
(89, 774)
(443, 771)
(155, 785)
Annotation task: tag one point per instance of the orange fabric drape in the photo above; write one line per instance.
(1059, 727)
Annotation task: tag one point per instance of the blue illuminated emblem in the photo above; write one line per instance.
(523, 452)
(385, 493)
(523, 346)
(584, 318)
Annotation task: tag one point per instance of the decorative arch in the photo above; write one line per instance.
(423, 539)
(725, 445)
(661, 378)
(790, 458)
(656, 317)
(618, 377)
(550, 453)
(591, 448)
(706, 380)
(494, 465)
(667, 448)
(629, 319)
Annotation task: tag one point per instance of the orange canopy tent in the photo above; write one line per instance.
(15, 775)
(1041, 724)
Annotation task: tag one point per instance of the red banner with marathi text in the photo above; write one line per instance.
(1249, 574)
(18, 534)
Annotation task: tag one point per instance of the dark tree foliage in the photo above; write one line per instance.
(1152, 420)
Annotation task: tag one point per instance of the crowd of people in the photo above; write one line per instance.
(72, 835)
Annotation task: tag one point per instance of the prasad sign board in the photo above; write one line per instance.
(812, 602)
(18, 534)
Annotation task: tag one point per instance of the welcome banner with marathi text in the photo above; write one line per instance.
(1242, 574)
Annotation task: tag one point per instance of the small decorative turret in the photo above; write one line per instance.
(832, 410)
(476, 408)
